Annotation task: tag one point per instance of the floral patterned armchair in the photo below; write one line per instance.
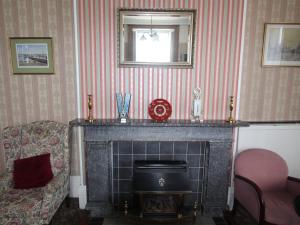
(34, 206)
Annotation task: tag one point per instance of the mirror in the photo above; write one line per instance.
(156, 37)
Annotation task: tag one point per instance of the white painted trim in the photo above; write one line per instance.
(82, 196)
(77, 69)
(74, 186)
(82, 188)
(238, 97)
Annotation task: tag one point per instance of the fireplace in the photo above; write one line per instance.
(160, 188)
(190, 157)
(111, 149)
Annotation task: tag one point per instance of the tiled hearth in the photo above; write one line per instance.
(111, 148)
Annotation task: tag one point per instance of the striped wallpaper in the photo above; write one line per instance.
(268, 93)
(26, 98)
(216, 65)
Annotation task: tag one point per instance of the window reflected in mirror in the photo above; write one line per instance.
(156, 37)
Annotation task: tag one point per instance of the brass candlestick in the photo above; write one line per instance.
(90, 107)
(231, 106)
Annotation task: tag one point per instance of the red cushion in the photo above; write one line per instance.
(32, 172)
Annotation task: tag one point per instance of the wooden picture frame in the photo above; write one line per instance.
(32, 55)
(281, 45)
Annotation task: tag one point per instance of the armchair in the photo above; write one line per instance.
(34, 206)
(262, 187)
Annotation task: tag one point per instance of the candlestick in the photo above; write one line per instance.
(231, 107)
(90, 107)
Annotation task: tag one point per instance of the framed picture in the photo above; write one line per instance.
(32, 55)
(281, 45)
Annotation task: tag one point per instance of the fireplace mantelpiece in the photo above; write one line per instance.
(100, 135)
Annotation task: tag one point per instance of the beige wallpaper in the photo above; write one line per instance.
(25, 98)
(272, 93)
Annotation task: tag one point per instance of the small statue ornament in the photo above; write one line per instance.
(197, 106)
(123, 106)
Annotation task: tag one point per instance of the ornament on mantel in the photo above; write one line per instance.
(90, 118)
(197, 106)
(231, 107)
(123, 106)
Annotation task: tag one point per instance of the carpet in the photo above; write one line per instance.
(241, 217)
(72, 215)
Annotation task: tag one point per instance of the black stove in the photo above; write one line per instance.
(158, 176)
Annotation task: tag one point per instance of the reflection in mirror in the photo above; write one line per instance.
(156, 37)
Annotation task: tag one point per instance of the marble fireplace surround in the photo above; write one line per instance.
(100, 135)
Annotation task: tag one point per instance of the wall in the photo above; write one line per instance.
(25, 98)
(216, 66)
(282, 139)
(268, 93)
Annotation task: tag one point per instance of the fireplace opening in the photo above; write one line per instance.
(159, 190)
(159, 179)
(159, 204)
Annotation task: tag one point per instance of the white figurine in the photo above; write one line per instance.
(197, 105)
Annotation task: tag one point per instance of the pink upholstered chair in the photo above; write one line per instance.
(264, 189)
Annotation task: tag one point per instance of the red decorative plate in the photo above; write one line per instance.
(160, 110)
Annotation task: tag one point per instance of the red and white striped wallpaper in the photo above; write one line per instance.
(216, 65)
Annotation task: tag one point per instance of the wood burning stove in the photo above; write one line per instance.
(159, 188)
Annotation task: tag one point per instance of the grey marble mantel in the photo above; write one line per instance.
(100, 135)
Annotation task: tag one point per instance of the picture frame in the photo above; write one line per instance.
(32, 55)
(281, 45)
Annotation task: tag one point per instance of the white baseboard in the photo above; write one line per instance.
(78, 191)
(74, 186)
(230, 199)
(82, 197)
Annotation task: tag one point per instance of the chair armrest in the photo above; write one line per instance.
(293, 185)
(6, 181)
(56, 183)
(249, 195)
(53, 195)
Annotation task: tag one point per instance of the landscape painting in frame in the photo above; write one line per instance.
(32, 55)
(281, 45)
